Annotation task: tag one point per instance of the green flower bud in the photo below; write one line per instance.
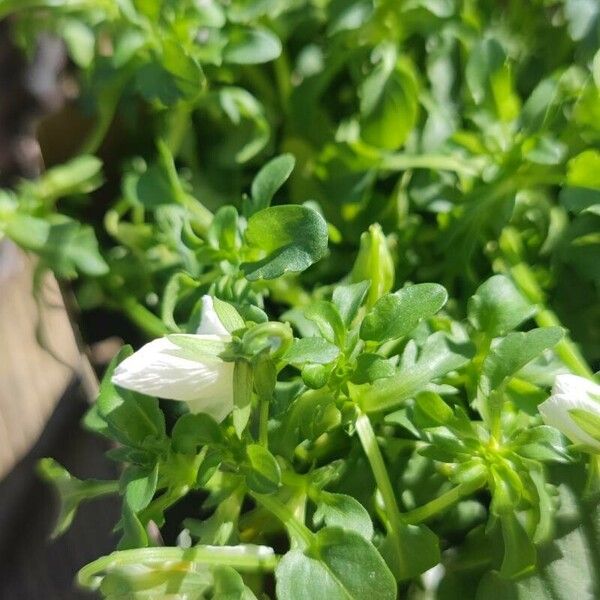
(374, 263)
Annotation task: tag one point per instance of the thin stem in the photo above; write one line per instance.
(435, 162)
(375, 458)
(443, 502)
(178, 126)
(143, 318)
(251, 558)
(297, 530)
(263, 422)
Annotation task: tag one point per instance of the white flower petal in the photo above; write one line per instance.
(217, 406)
(210, 324)
(157, 371)
(555, 412)
(575, 386)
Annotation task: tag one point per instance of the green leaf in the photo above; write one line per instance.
(434, 408)
(542, 443)
(194, 347)
(71, 491)
(132, 418)
(134, 533)
(326, 317)
(395, 315)
(370, 367)
(264, 474)
(80, 41)
(242, 395)
(439, 356)
(584, 169)
(184, 68)
(223, 231)
(228, 315)
(291, 237)
(349, 298)
(588, 421)
(497, 307)
(80, 175)
(513, 352)
(251, 46)
(345, 512)
(388, 102)
(193, 431)
(410, 550)
(519, 551)
(340, 565)
(140, 486)
(268, 180)
(311, 350)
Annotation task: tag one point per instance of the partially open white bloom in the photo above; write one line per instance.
(160, 368)
(568, 393)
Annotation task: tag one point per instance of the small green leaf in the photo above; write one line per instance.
(388, 102)
(510, 355)
(140, 486)
(264, 474)
(311, 350)
(349, 298)
(395, 315)
(498, 307)
(519, 551)
(370, 367)
(340, 510)
(542, 443)
(292, 238)
(438, 356)
(326, 317)
(134, 533)
(410, 550)
(193, 431)
(71, 491)
(223, 231)
(194, 347)
(268, 180)
(228, 315)
(251, 46)
(583, 170)
(588, 421)
(434, 408)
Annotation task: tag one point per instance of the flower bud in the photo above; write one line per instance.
(374, 263)
(574, 409)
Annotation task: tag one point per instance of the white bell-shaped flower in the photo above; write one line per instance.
(159, 369)
(572, 392)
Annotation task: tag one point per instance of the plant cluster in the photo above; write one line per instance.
(349, 389)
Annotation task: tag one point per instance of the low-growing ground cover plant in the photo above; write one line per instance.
(361, 242)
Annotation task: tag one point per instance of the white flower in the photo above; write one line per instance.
(568, 393)
(159, 369)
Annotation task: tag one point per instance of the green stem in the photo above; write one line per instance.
(434, 162)
(263, 559)
(443, 502)
(143, 318)
(375, 458)
(263, 422)
(297, 530)
(178, 126)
